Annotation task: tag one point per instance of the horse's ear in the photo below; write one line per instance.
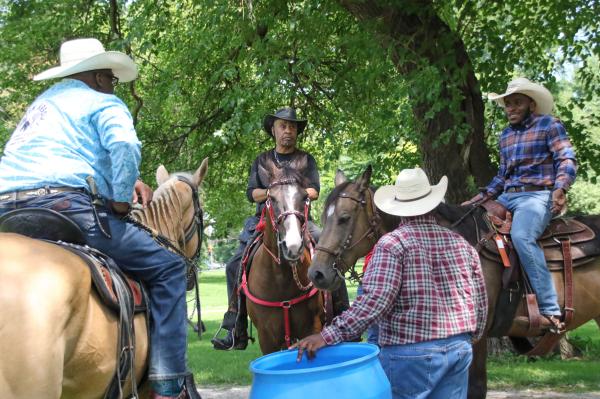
(365, 179)
(161, 175)
(340, 177)
(201, 172)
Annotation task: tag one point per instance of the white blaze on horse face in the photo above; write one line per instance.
(330, 210)
(292, 225)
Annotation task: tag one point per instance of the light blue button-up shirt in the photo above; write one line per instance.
(70, 132)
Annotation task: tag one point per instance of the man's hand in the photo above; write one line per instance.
(559, 202)
(481, 197)
(142, 193)
(311, 344)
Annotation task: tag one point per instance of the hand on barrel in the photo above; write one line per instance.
(310, 344)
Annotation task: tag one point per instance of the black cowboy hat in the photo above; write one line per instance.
(287, 114)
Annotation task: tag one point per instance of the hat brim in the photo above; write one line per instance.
(385, 200)
(270, 119)
(544, 102)
(121, 65)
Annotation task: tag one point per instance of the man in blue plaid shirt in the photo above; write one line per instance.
(537, 168)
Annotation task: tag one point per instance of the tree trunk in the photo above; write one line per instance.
(416, 36)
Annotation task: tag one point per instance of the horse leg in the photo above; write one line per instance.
(597, 319)
(478, 371)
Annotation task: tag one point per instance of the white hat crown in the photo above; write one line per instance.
(82, 55)
(413, 184)
(78, 50)
(412, 195)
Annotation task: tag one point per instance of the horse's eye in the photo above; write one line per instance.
(343, 219)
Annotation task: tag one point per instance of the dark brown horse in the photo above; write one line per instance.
(282, 302)
(352, 224)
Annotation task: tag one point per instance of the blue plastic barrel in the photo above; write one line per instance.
(347, 370)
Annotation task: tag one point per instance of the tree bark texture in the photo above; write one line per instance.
(414, 27)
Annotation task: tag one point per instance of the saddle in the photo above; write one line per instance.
(558, 230)
(124, 296)
(567, 243)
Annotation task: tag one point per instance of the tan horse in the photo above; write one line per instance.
(352, 225)
(57, 339)
(281, 301)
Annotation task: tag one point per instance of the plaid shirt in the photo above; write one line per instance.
(424, 282)
(537, 152)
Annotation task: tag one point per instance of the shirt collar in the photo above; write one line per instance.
(427, 218)
(526, 123)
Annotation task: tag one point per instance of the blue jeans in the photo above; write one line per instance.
(431, 369)
(373, 330)
(531, 215)
(136, 253)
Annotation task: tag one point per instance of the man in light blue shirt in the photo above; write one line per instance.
(79, 128)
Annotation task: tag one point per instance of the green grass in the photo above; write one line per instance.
(212, 367)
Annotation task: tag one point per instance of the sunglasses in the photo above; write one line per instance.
(113, 79)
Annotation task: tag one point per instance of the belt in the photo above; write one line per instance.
(520, 189)
(38, 192)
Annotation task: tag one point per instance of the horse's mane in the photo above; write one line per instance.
(164, 214)
(288, 172)
(466, 227)
(336, 192)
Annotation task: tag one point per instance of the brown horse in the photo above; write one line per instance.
(281, 301)
(352, 224)
(57, 338)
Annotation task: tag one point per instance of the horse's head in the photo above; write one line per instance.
(287, 208)
(175, 211)
(350, 229)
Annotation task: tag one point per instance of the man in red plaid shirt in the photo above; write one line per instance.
(425, 288)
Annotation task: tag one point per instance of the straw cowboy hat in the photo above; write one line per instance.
(81, 55)
(542, 97)
(412, 195)
(287, 114)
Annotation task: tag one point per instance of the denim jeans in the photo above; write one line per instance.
(136, 253)
(436, 369)
(531, 214)
(373, 330)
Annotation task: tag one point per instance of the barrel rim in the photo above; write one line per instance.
(374, 353)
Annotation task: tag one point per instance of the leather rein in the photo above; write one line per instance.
(373, 233)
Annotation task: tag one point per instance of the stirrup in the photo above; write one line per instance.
(218, 343)
(557, 326)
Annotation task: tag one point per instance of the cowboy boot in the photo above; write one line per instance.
(188, 390)
(239, 340)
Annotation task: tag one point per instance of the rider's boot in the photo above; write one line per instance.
(178, 388)
(237, 331)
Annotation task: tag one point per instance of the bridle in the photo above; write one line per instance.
(276, 222)
(372, 233)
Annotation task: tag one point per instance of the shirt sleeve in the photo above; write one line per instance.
(253, 180)
(312, 174)
(481, 301)
(563, 156)
(117, 135)
(381, 284)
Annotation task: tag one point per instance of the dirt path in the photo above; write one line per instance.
(243, 392)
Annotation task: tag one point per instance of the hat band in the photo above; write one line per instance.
(413, 199)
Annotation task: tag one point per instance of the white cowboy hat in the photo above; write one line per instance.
(542, 97)
(412, 195)
(81, 55)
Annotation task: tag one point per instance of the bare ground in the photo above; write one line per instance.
(243, 392)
